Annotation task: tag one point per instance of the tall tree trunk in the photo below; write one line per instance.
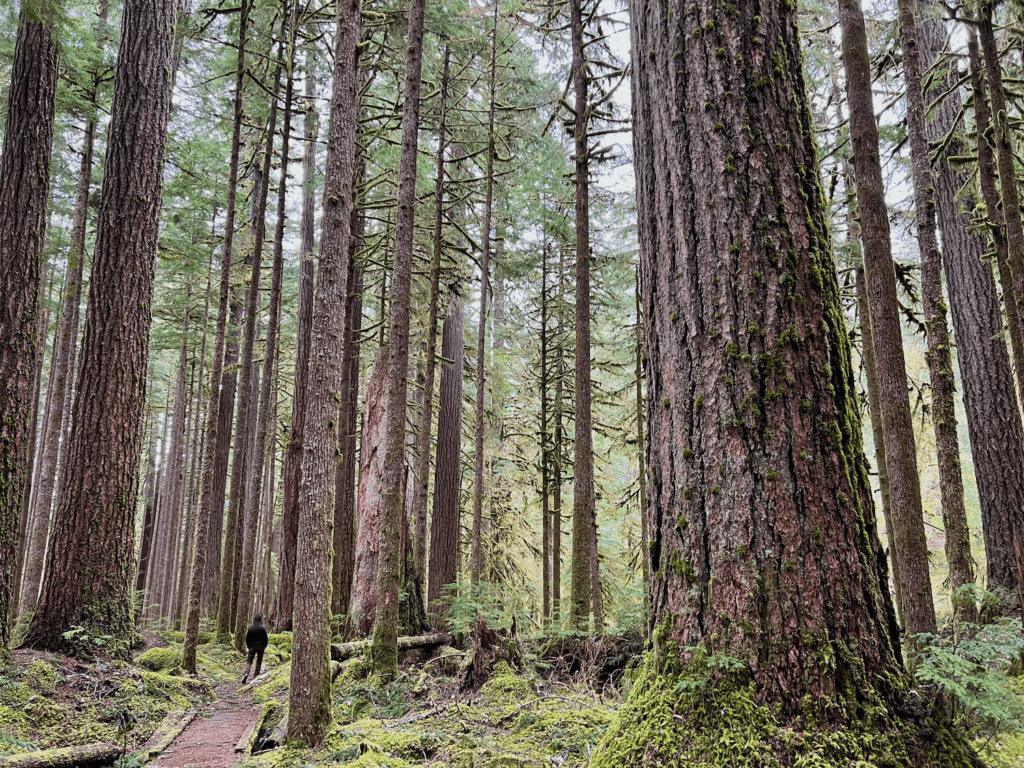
(24, 190)
(545, 454)
(385, 647)
(42, 326)
(477, 553)
(993, 420)
(585, 590)
(558, 452)
(765, 548)
(146, 541)
(87, 579)
(444, 522)
(293, 456)
(422, 470)
(310, 692)
(258, 417)
(900, 452)
(1001, 505)
(939, 356)
(348, 420)
(211, 503)
(61, 371)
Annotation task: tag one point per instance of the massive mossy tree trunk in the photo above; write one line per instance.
(773, 634)
(309, 697)
(87, 582)
(24, 188)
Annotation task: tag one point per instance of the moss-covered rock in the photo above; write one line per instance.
(159, 659)
(283, 641)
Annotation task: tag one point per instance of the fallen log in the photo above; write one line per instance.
(89, 756)
(348, 650)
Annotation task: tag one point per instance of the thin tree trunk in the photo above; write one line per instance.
(939, 356)
(348, 421)
(24, 190)
(422, 470)
(641, 444)
(293, 456)
(476, 553)
(586, 591)
(211, 503)
(87, 579)
(310, 691)
(901, 454)
(545, 455)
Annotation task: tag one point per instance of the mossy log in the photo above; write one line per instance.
(168, 731)
(89, 756)
(348, 650)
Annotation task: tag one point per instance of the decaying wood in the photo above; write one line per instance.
(489, 647)
(168, 731)
(89, 756)
(348, 650)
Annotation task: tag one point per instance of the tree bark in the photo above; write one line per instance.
(582, 600)
(476, 552)
(310, 690)
(765, 550)
(87, 579)
(900, 452)
(939, 355)
(545, 454)
(997, 462)
(365, 594)
(422, 470)
(348, 419)
(293, 456)
(993, 420)
(24, 190)
(641, 444)
(444, 521)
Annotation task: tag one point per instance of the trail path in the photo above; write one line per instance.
(209, 740)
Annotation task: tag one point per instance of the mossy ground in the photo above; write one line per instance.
(516, 719)
(50, 701)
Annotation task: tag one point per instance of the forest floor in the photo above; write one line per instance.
(550, 711)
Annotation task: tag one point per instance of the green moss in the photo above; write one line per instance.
(1005, 750)
(504, 684)
(699, 717)
(159, 659)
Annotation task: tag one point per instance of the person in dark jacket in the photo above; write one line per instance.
(256, 640)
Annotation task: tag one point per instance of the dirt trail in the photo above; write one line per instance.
(209, 740)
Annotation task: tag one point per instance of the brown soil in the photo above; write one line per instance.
(209, 740)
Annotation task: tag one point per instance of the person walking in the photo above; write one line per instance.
(256, 641)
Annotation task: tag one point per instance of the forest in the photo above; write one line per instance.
(511, 383)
